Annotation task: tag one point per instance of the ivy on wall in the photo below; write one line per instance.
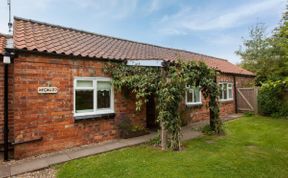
(168, 84)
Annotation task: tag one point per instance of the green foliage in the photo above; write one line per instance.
(249, 114)
(279, 41)
(254, 50)
(273, 98)
(256, 54)
(169, 85)
(207, 130)
(142, 81)
(156, 141)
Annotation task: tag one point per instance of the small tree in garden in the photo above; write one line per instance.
(169, 85)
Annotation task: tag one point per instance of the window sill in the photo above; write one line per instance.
(193, 104)
(95, 116)
(226, 101)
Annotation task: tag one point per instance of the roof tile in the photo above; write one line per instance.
(33, 35)
(2, 43)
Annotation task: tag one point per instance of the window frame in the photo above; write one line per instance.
(221, 98)
(96, 111)
(193, 103)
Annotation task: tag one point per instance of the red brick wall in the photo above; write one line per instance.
(245, 82)
(50, 116)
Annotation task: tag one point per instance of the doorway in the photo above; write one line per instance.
(151, 113)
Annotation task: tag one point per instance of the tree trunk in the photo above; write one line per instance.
(163, 137)
(212, 120)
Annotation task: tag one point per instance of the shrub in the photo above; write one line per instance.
(249, 114)
(208, 131)
(273, 98)
(156, 141)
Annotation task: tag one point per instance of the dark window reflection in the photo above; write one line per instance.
(84, 101)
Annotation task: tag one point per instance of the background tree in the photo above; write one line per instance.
(256, 54)
(266, 56)
(279, 42)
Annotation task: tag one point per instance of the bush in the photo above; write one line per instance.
(273, 99)
(208, 131)
(249, 114)
(156, 141)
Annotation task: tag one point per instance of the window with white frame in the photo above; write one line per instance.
(193, 96)
(226, 91)
(93, 95)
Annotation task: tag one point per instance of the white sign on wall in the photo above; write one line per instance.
(149, 63)
(47, 90)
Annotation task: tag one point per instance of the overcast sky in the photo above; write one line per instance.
(212, 27)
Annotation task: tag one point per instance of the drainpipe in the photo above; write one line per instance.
(235, 94)
(6, 61)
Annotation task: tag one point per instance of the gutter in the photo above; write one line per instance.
(240, 75)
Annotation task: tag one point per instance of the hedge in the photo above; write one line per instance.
(273, 98)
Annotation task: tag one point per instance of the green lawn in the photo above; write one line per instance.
(252, 147)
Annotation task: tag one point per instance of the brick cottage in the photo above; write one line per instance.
(59, 97)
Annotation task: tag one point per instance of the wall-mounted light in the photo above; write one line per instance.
(6, 59)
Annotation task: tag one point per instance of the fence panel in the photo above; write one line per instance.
(247, 99)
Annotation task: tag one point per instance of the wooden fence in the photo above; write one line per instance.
(247, 100)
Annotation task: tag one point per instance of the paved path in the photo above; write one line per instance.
(37, 163)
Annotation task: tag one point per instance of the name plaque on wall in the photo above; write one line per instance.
(47, 90)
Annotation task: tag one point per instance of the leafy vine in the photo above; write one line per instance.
(168, 84)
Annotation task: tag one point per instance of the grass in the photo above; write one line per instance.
(252, 147)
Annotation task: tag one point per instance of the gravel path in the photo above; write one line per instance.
(45, 173)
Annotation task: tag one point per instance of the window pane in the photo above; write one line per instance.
(84, 101)
(221, 90)
(103, 94)
(84, 83)
(225, 91)
(197, 95)
(190, 96)
(230, 93)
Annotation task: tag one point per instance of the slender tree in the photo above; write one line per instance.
(256, 55)
(266, 56)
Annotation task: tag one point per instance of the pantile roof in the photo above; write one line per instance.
(42, 37)
(2, 43)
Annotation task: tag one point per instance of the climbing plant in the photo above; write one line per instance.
(168, 84)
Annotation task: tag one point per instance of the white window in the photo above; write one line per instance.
(226, 91)
(193, 96)
(93, 95)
